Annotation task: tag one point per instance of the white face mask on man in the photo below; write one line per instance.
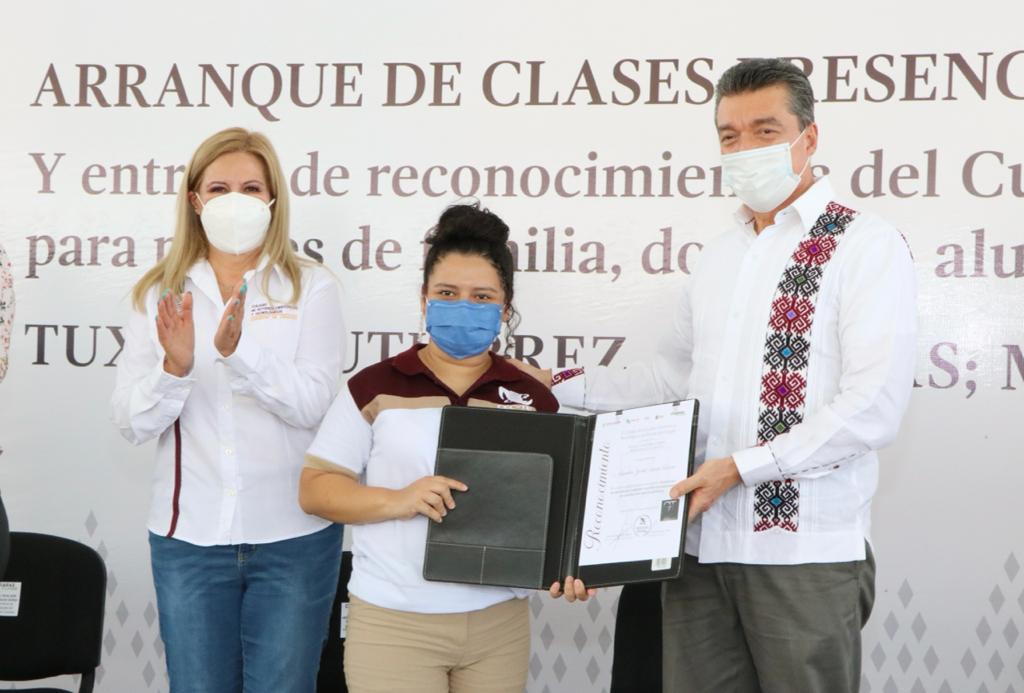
(762, 178)
(234, 222)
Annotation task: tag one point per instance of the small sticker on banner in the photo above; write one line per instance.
(661, 564)
(343, 625)
(10, 598)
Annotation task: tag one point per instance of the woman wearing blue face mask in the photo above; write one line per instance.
(231, 358)
(372, 465)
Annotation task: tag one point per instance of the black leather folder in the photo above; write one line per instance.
(520, 522)
(498, 533)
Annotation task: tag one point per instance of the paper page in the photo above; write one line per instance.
(637, 457)
(10, 598)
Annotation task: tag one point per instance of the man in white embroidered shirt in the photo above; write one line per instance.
(797, 335)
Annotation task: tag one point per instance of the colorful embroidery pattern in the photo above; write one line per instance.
(787, 347)
(567, 374)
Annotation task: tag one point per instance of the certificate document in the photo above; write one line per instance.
(637, 456)
(552, 495)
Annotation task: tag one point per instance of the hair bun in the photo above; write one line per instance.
(468, 222)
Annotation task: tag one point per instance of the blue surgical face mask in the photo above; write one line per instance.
(463, 328)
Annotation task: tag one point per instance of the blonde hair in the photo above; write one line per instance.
(189, 244)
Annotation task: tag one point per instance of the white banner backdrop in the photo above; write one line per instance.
(588, 128)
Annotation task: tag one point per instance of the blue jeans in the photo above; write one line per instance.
(245, 617)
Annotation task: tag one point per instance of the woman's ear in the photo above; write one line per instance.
(194, 200)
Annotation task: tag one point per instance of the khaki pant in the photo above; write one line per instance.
(732, 628)
(485, 651)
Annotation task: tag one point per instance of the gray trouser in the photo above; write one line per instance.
(734, 628)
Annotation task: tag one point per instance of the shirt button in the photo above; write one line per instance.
(229, 451)
(231, 492)
(226, 407)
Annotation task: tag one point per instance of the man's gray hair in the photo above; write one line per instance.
(758, 73)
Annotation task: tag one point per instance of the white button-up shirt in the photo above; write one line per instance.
(859, 377)
(233, 432)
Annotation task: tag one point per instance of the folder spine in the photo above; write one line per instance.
(581, 451)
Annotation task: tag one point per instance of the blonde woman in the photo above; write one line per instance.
(231, 358)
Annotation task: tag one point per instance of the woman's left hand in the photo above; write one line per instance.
(230, 329)
(574, 589)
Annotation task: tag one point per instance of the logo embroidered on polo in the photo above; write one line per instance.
(787, 348)
(510, 397)
(278, 311)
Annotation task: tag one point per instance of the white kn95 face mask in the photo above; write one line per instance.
(234, 222)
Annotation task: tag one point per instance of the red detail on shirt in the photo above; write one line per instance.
(567, 374)
(815, 251)
(177, 478)
(405, 375)
(836, 208)
(792, 314)
(783, 389)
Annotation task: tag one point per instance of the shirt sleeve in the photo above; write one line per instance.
(297, 391)
(344, 439)
(664, 378)
(147, 399)
(6, 309)
(878, 339)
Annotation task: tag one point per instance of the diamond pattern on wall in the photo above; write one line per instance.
(572, 643)
(132, 637)
(988, 657)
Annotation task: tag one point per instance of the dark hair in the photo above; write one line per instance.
(758, 73)
(468, 229)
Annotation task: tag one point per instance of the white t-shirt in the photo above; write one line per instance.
(384, 428)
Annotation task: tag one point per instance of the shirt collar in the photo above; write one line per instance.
(202, 267)
(808, 207)
(409, 363)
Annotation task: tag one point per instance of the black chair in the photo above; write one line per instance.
(5, 539)
(59, 626)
